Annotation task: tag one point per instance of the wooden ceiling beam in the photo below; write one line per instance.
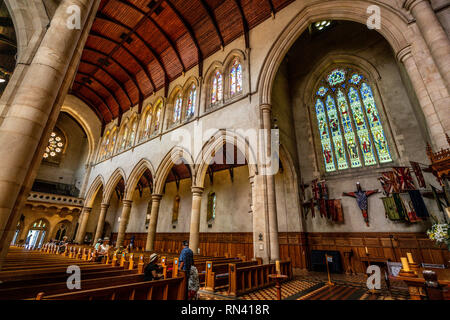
(86, 100)
(213, 20)
(272, 8)
(190, 30)
(132, 32)
(245, 27)
(122, 67)
(102, 99)
(136, 59)
(112, 93)
(112, 77)
(165, 35)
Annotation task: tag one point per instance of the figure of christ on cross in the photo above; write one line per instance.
(361, 198)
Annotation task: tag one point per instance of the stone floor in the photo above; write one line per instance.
(308, 285)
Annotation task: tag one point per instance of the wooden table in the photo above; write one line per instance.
(416, 285)
(278, 278)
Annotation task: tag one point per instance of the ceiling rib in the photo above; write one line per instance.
(211, 16)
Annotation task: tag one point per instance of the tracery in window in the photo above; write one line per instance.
(177, 108)
(349, 124)
(235, 78)
(211, 209)
(192, 100)
(55, 147)
(217, 88)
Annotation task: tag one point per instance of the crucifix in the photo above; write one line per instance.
(361, 198)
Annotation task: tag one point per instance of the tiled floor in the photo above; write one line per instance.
(313, 286)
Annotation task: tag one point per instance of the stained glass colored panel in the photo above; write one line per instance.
(148, 122)
(361, 127)
(217, 89)
(324, 136)
(335, 130)
(352, 145)
(336, 77)
(236, 78)
(157, 119)
(177, 109)
(373, 116)
(191, 102)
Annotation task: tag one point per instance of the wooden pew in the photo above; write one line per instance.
(167, 289)
(217, 273)
(245, 279)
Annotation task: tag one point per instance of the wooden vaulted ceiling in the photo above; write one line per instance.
(136, 47)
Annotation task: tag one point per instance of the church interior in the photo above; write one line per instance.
(295, 149)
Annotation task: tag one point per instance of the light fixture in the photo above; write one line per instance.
(2, 80)
(320, 25)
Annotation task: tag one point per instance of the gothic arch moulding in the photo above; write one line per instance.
(215, 144)
(135, 175)
(173, 157)
(394, 28)
(111, 184)
(93, 189)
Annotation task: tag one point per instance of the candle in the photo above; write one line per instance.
(277, 267)
(405, 264)
(410, 257)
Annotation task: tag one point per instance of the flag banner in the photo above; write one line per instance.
(388, 182)
(391, 209)
(418, 173)
(404, 178)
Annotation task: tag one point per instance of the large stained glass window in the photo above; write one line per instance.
(192, 100)
(235, 78)
(349, 124)
(157, 117)
(177, 108)
(217, 88)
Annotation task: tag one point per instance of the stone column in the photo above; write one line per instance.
(194, 233)
(34, 108)
(270, 185)
(83, 224)
(151, 234)
(101, 221)
(433, 33)
(123, 222)
(432, 116)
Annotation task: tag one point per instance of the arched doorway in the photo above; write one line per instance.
(36, 234)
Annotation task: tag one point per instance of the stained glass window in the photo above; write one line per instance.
(55, 147)
(124, 138)
(132, 133)
(112, 143)
(177, 108)
(105, 146)
(192, 100)
(147, 124)
(349, 124)
(211, 207)
(235, 78)
(217, 88)
(157, 117)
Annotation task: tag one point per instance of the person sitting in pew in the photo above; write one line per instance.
(63, 245)
(98, 244)
(151, 270)
(103, 249)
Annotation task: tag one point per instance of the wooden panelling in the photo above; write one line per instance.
(298, 245)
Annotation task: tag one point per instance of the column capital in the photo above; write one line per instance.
(104, 205)
(156, 196)
(87, 209)
(404, 54)
(410, 4)
(197, 191)
(265, 107)
(127, 203)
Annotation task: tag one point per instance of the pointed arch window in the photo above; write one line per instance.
(112, 143)
(105, 146)
(177, 108)
(217, 88)
(132, 132)
(236, 78)
(147, 124)
(157, 117)
(192, 100)
(124, 138)
(350, 128)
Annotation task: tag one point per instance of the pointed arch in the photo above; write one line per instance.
(215, 144)
(394, 28)
(175, 156)
(111, 184)
(137, 172)
(99, 182)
